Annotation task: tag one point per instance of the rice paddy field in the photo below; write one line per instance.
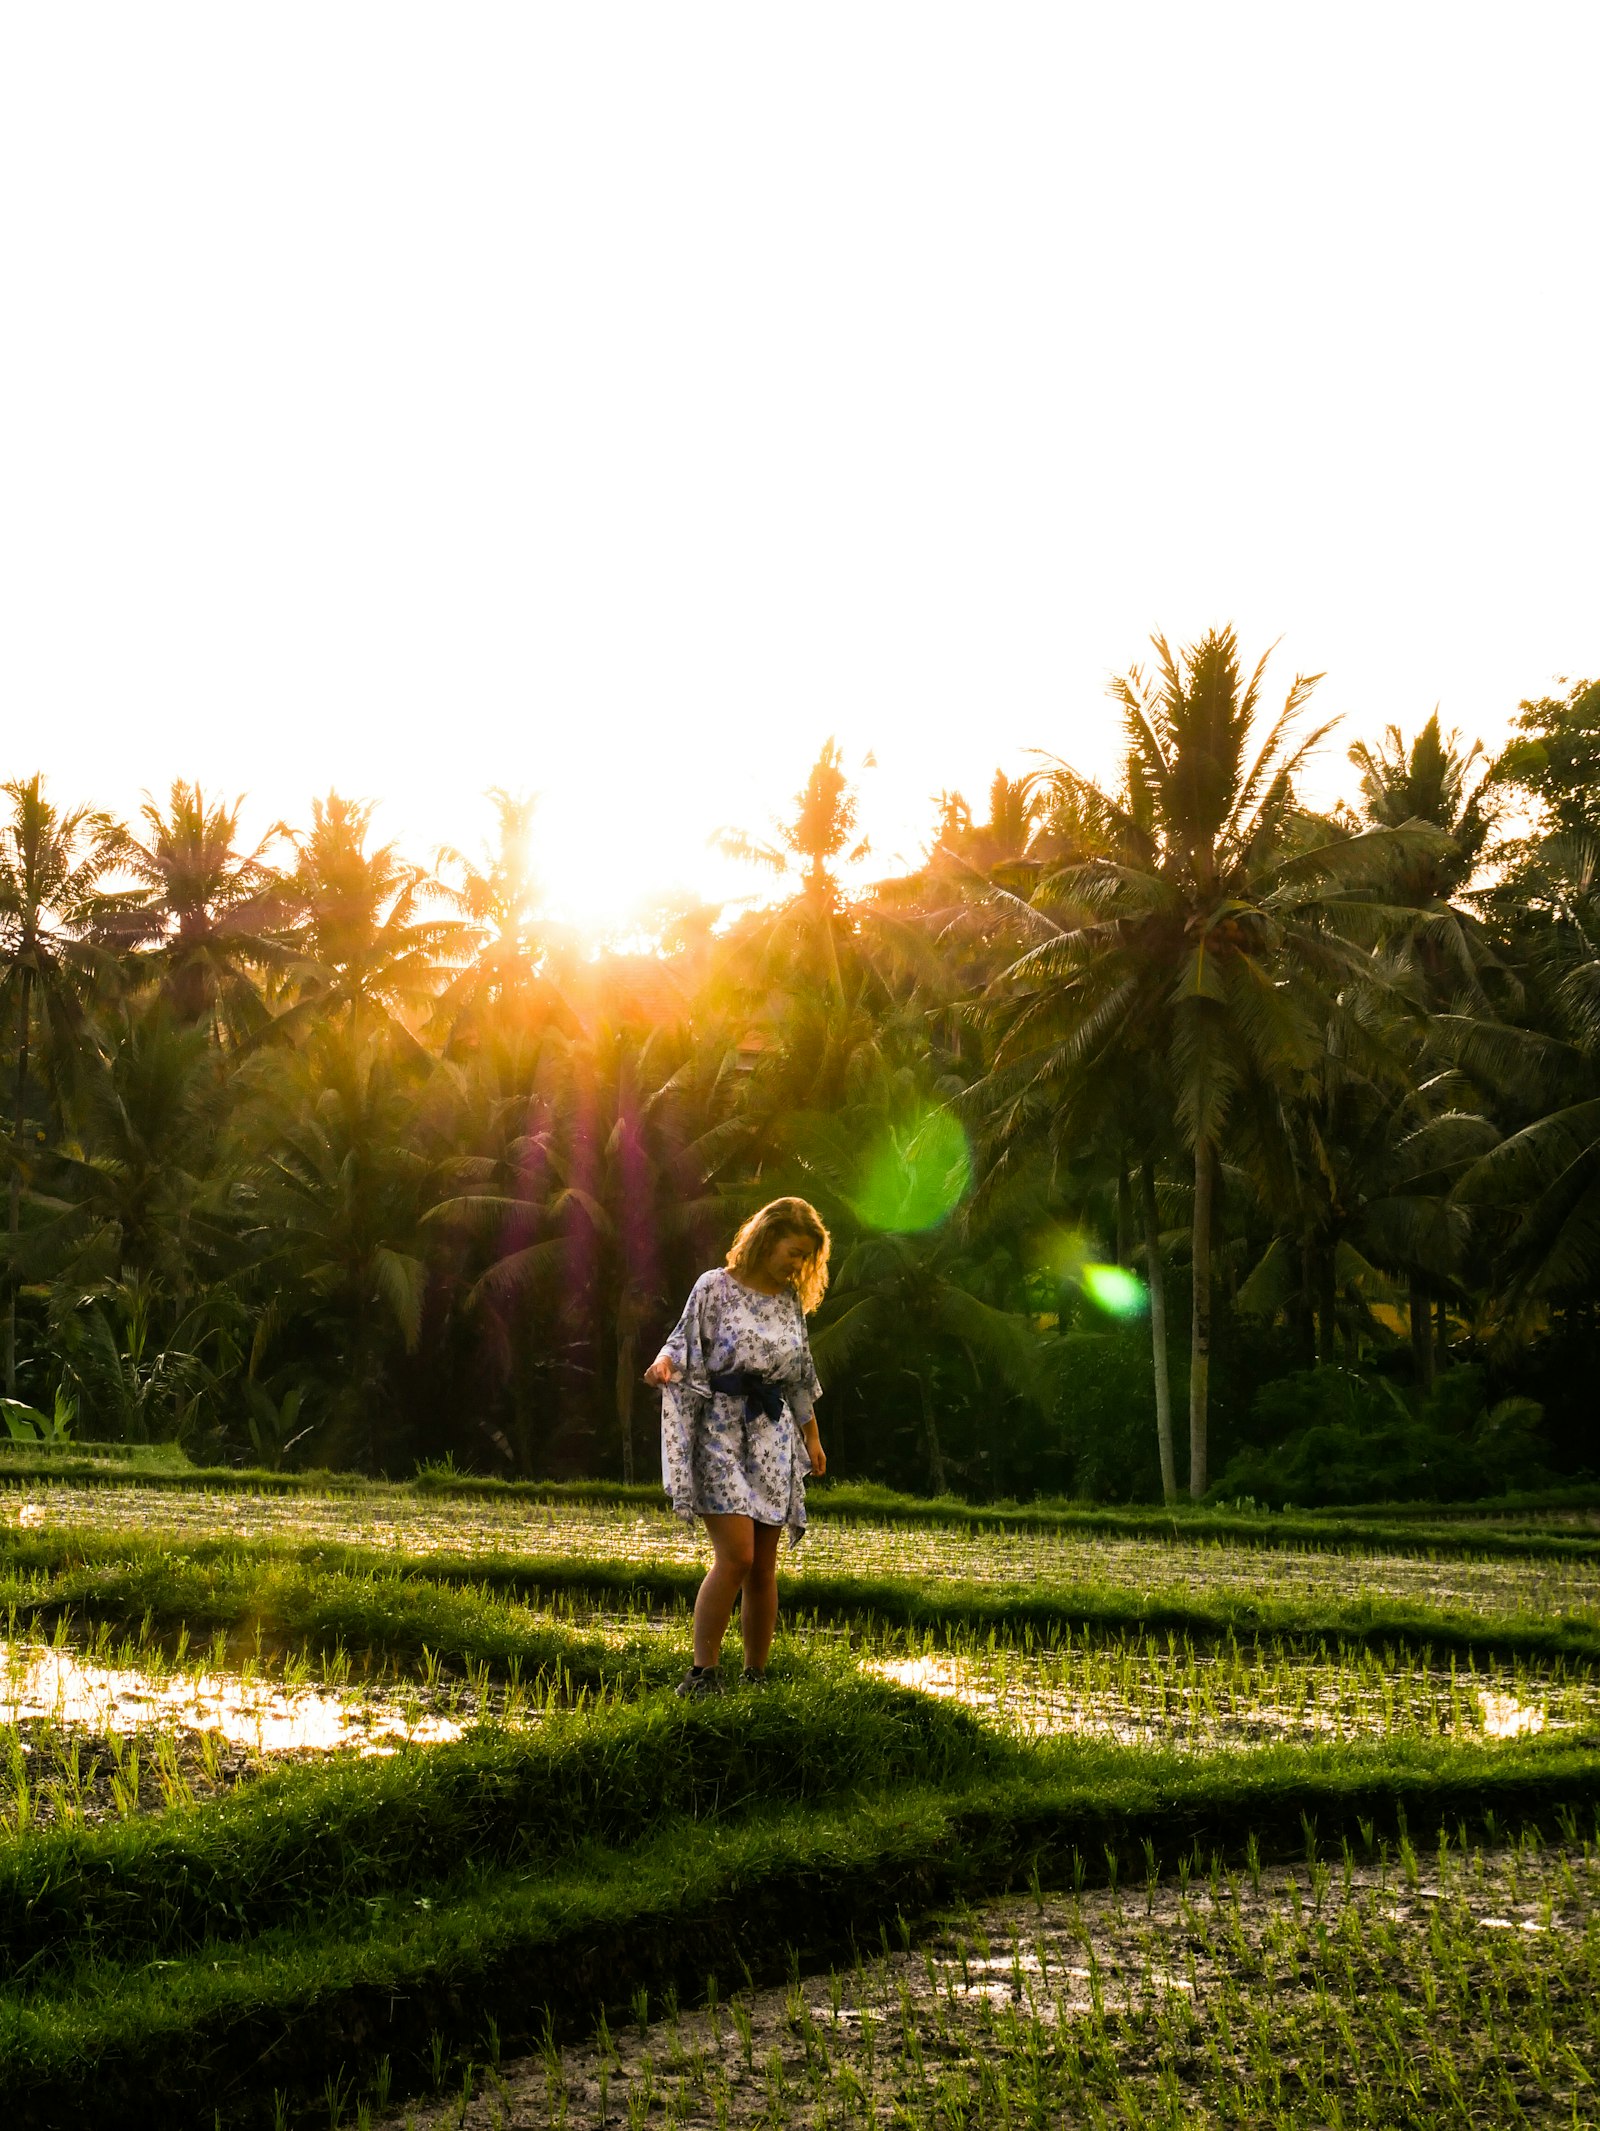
(329, 1805)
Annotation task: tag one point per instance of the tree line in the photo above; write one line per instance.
(1175, 1135)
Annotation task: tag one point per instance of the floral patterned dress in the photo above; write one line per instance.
(715, 1457)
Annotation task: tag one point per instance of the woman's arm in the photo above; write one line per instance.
(803, 1397)
(682, 1350)
(814, 1449)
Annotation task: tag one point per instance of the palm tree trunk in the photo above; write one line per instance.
(1421, 1338)
(1327, 1308)
(1156, 1275)
(23, 1031)
(930, 1434)
(627, 1340)
(1124, 1218)
(1305, 1311)
(1205, 1167)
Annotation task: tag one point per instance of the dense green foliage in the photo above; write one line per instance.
(316, 1156)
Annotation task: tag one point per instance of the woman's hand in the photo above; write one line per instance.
(660, 1371)
(815, 1451)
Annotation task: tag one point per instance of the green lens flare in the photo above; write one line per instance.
(1116, 1291)
(916, 1176)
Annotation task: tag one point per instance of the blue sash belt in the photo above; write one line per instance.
(760, 1393)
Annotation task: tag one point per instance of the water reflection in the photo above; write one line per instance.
(1504, 1717)
(39, 1681)
(1039, 1698)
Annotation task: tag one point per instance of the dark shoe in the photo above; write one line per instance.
(699, 1680)
(747, 1678)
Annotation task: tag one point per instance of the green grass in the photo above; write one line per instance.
(1445, 1529)
(326, 1918)
(735, 1898)
(370, 1613)
(304, 1843)
(474, 1610)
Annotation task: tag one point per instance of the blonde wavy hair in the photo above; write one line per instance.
(752, 1246)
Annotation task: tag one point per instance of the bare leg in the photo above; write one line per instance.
(758, 1609)
(733, 1549)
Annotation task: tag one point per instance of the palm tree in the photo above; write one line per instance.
(804, 937)
(964, 847)
(1209, 926)
(916, 1286)
(207, 917)
(135, 1168)
(499, 898)
(52, 870)
(898, 1299)
(1430, 779)
(336, 1176)
(131, 1231)
(1045, 1103)
(1543, 1179)
(368, 947)
(603, 1197)
(1354, 1167)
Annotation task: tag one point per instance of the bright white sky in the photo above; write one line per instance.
(614, 401)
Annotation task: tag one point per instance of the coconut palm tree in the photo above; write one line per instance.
(207, 918)
(1431, 779)
(603, 1197)
(896, 1300)
(806, 937)
(1543, 1179)
(367, 943)
(53, 868)
(130, 1229)
(135, 1168)
(916, 1288)
(499, 900)
(336, 1171)
(1354, 1167)
(1209, 925)
(1045, 1105)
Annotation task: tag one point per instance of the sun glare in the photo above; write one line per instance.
(612, 888)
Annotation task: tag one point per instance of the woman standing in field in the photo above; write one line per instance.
(739, 1426)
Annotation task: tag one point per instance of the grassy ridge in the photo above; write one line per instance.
(309, 1843)
(463, 1609)
(1432, 1528)
(165, 2045)
(280, 1603)
(1014, 1611)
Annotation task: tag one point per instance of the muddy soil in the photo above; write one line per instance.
(1342, 1993)
(51, 1776)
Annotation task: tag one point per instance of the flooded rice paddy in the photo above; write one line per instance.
(76, 1714)
(87, 1736)
(42, 1681)
(1207, 1705)
(1134, 1690)
(1413, 1988)
(1150, 1568)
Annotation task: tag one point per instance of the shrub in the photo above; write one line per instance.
(1344, 1437)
